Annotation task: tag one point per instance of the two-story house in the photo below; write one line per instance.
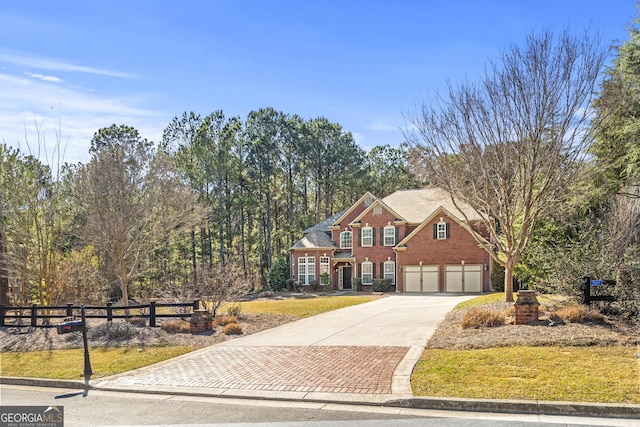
(416, 238)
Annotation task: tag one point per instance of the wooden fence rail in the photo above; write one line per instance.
(109, 312)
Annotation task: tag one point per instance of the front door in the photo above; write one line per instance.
(346, 277)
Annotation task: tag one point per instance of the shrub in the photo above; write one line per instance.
(477, 317)
(290, 285)
(314, 285)
(225, 320)
(175, 326)
(497, 277)
(234, 310)
(278, 274)
(577, 313)
(298, 286)
(357, 284)
(324, 278)
(232, 329)
(139, 322)
(382, 285)
(118, 330)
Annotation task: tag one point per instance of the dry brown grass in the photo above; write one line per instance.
(176, 326)
(577, 313)
(478, 317)
(225, 320)
(232, 329)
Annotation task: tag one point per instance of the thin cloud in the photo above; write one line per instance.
(52, 79)
(19, 58)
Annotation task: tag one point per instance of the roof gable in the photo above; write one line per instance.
(354, 206)
(377, 202)
(415, 206)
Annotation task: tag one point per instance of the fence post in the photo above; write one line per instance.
(2, 309)
(196, 304)
(109, 312)
(69, 309)
(34, 315)
(152, 314)
(586, 296)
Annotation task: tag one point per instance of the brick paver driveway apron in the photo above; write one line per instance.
(351, 350)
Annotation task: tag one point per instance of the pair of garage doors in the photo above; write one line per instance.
(457, 278)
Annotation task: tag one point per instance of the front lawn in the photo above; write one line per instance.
(306, 306)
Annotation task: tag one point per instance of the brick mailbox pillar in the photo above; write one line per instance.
(526, 307)
(201, 321)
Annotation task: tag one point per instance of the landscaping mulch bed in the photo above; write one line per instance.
(450, 335)
(33, 339)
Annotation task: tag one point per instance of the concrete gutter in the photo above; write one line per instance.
(583, 409)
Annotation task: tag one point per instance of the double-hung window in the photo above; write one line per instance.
(324, 265)
(367, 273)
(367, 236)
(442, 231)
(390, 236)
(390, 271)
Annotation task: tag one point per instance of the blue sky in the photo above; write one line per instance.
(73, 67)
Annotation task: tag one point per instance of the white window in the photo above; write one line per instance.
(389, 236)
(346, 240)
(441, 231)
(367, 273)
(367, 236)
(390, 271)
(306, 269)
(324, 265)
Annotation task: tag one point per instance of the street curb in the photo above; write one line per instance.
(537, 407)
(583, 409)
(44, 382)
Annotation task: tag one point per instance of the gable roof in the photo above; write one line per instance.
(360, 200)
(417, 205)
(377, 202)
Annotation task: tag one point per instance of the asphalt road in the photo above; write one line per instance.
(135, 409)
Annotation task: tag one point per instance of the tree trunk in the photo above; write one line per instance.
(508, 281)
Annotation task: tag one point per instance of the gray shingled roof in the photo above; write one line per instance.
(324, 225)
(315, 239)
(417, 205)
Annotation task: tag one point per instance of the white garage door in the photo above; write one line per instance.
(463, 278)
(421, 278)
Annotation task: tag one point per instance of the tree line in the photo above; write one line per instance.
(216, 197)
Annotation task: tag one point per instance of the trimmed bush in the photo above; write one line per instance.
(382, 285)
(314, 285)
(477, 317)
(175, 326)
(232, 329)
(357, 284)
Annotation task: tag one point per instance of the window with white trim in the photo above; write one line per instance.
(390, 271)
(367, 273)
(390, 235)
(346, 240)
(442, 231)
(324, 265)
(367, 236)
(306, 269)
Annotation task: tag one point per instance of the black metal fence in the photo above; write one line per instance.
(41, 315)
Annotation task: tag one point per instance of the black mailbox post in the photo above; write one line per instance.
(75, 325)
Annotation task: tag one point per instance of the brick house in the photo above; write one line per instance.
(416, 238)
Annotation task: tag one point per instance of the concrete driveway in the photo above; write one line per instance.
(363, 352)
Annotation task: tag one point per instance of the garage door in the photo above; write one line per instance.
(421, 278)
(463, 278)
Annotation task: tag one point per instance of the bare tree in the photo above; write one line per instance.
(512, 146)
(132, 201)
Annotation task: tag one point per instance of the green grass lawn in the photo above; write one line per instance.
(305, 307)
(69, 364)
(582, 374)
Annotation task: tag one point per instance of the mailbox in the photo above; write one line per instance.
(69, 326)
